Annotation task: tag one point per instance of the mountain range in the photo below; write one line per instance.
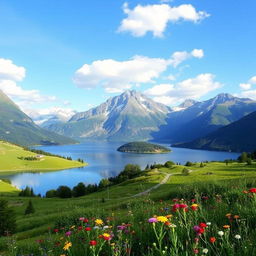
(17, 127)
(129, 116)
(238, 136)
(202, 118)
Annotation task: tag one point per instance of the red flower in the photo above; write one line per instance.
(202, 225)
(87, 229)
(212, 239)
(80, 228)
(252, 190)
(93, 243)
(55, 230)
(85, 220)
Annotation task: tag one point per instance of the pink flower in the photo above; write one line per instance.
(68, 233)
(152, 220)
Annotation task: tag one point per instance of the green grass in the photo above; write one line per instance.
(10, 162)
(7, 189)
(214, 178)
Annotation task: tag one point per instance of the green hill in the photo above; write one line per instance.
(17, 127)
(142, 148)
(238, 136)
(13, 158)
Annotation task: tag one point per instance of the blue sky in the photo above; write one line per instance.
(206, 47)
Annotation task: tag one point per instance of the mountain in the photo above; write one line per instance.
(129, 116)
(17, 127)
(186, 104)
(204, 117)
(238, 136)
(47, 117)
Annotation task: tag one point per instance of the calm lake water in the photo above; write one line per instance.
(104, 161)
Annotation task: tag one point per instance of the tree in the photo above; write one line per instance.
(30, 208)
(7, 219)
(249, 161)
(188, 163)
(169, 164)
(201, 165)
(64, 192)
(28, 192)
(131, 170)
(51, 193)
(79, 190)
(243, 157)
(104, 183)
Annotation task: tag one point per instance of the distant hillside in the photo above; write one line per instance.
(238, 136)
(15, 158)
(129, 116)
(142, 147)
(17, 127)
(197, 119)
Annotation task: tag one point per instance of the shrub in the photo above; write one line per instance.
(188, 163)
(64, 192)
(169, 164)
(79, 190)
(51, 193)
(185, 171)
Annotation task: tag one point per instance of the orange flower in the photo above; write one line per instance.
(226, 226)
(228, 215)
(212, 239)
(236, 217)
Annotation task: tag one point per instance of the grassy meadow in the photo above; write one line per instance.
(11, 160)
(210, 211)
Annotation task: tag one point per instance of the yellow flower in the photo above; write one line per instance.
(228, 215)
(67, 245)
(194, 205)
(106, 235)
(162, 219)
(72, 227)
(98, 222)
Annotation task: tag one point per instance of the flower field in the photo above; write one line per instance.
(205, 224)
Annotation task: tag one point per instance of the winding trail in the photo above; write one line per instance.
(163, 181)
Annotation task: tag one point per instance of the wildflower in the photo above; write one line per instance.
(162, 219)
(205, 250)
(237, 237)
(93, 243)
(88, 229)
(175, 207)
(202, 225)
(172, 225)
(226, 226)
(245, 192)
(152, 220)
(228, 215)
(85, 220)
(208, 223)
(194, 207)
(81, 218)
(67, 245)
(236, 216)
(183, 206)
(168, 216)
(68, 233)
(220, 233)
(213, 239)
(98, 222)
(196, 240)
(252, 190)
(196, 251)
(55, 230)
(106, 236)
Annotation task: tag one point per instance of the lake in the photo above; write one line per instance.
(104, 161)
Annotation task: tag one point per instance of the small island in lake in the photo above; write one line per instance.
(143, 148)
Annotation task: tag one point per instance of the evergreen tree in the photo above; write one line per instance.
(7, 219)
(30, 208)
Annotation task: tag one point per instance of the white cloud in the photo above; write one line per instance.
(248, 94)
(155, 18)
(245, 86)
(10, 74)
(192, 88)
(115, 76)
(42, 115)
(253, 80)
(9, 71)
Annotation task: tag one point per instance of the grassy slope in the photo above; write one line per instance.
(7, 189)
(117, 197)
(9, 154)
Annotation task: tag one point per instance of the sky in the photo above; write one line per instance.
(65, 56)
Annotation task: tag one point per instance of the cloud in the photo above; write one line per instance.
(192, 88)
(253, 80)
(116, 76)
(245, 86)
(155, 18)
(10, 74)
(42, 115)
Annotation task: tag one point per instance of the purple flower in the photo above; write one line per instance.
(197, 228)
(152, 220)
(121, 227)
(68, 233)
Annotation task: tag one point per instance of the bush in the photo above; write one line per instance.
(51, 193)
(64, 192)
(79, 190)
(30, 208)
(7, 219)
(188, 163)
(169, 164)
(185, 171)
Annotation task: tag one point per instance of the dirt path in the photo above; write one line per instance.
(163, 181)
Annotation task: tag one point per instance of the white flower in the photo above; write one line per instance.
(220, 233)
(205, 250)
(208, 223)
(237, 237)
(105, 227)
